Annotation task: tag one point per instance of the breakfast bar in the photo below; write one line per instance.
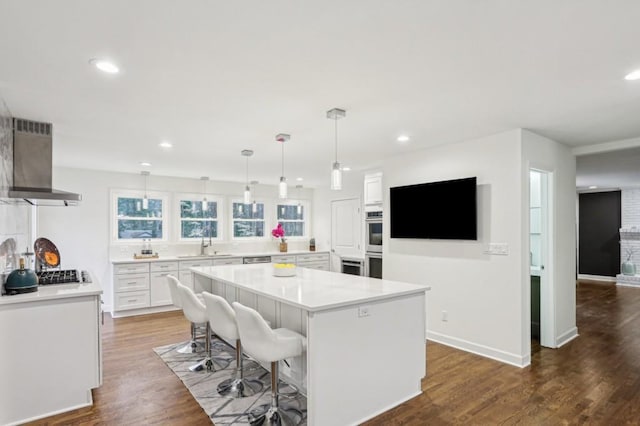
(365, 336)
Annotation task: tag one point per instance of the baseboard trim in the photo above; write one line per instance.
(566, 337)
(485, 351)
(596, 278)
(143, 311)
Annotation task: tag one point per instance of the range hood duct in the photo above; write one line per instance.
(33, 166)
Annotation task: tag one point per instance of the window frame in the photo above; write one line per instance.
(265, 219)
(133, 193)
(191, 196)
(306, 221)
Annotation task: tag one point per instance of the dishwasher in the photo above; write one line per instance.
(256, 259)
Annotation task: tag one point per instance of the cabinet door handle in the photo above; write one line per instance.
(132, 300)
(133, 282)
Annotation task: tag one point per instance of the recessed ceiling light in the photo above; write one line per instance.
(145, 164)
(105, 66)
(403, 138)
(166, 144)
(634, 75)
(346, 169)
(593, 187)
(299, 179)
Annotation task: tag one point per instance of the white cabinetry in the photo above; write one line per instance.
(131, 286)
(51, 353)
(159, 293)
(313, 261)
(186, 276)
(283, 259)
(373, 189)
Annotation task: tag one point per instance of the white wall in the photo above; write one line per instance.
(544, 154)
(481, 293)
(82, 235)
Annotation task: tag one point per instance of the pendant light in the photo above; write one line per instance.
(205, 203)
(299, 207)
(247, 190)
(145, 200)
(254, 205)
(282, 186)
(336, 172)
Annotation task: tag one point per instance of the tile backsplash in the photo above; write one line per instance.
(15, 219)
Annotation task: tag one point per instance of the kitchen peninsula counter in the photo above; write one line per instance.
(365, 336)
(51, 354)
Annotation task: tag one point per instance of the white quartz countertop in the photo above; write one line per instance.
(310, 289)
(214, 256)
(54, 291)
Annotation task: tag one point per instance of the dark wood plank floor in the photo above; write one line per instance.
(594, 379)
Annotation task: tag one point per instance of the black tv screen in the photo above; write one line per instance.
(437, 210)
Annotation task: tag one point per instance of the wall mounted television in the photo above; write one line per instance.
(445, 210)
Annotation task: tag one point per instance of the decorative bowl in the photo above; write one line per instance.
(284, 269)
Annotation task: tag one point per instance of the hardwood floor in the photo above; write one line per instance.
(595, 379)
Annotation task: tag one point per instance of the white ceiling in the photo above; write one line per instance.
(217, 77)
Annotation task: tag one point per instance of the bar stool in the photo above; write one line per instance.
(194, 345)
(223, 322)
(267, 345)
(196, 312)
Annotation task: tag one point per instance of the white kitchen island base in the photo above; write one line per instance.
(50, 351)
(365, 336)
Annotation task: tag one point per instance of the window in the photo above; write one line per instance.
(293, 219)
(196, 223)
(134, 222)
(248, 220)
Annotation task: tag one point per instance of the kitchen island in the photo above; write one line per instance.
(50, 351)
(365, 336)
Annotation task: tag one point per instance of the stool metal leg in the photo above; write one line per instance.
(274, 414)
(208, 361)
(239, 387)
(193, 346)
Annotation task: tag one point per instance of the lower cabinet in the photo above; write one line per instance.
(313, 261)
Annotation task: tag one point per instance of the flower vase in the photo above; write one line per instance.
(283, 247)
(628, 268)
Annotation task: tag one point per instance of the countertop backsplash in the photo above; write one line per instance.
(122, 251)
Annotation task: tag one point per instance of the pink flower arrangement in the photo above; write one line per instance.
(278, 232)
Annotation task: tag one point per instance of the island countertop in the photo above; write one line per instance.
(310, 289)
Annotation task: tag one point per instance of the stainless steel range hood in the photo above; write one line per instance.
(32, 166)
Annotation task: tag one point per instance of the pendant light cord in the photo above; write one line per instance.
(336, 137)
(247, 170)
(282, 158)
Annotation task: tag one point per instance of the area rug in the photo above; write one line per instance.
(222, 410)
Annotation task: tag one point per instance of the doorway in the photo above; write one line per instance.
(540, 255)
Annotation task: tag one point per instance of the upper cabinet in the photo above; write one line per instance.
(373, 189)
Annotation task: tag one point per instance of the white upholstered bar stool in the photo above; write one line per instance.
(194, 345)
(196, 312)
(223, 322)
(267, 345)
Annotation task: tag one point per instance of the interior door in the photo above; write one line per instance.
(346, 230)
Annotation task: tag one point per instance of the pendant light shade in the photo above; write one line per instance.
(282, 186)
(246, 198)
(299, 207)
(145, 200)
(336, 171)
(205, 204)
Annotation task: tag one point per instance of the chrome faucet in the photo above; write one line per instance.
(204, 245)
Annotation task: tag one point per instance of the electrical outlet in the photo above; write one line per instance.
(363, 311)
(445, 316)
(501, 249)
